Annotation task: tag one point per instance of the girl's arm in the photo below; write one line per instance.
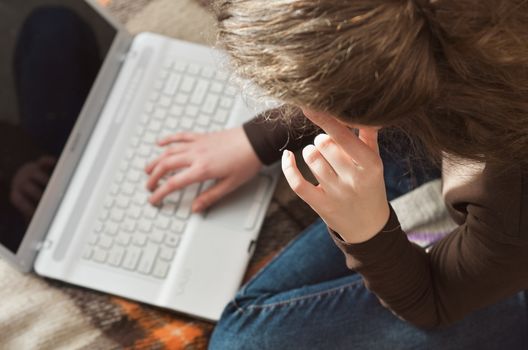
(269, 135)
(479, 263)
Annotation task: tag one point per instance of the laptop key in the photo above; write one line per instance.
(199, 92)
(134, 212)
(182, 98)
(210, 103)
(168, 63)
(148, 258)
(172, 84)
(187, 84)
(98, 227)
(222, 75)
(99, 255)
(165, 102)
(207, 72)
(134, 175)
(150, 212)
(161, 269)
(132, 256)
(184, 210)
(140, 198)
(145, 226)
(221, 116)
(217, 87)
(167, 253)
(177, 226)
(145, 117)
(179, 66)
(172, 240)
(215, 127)
(231, 90)
(158, 84)
(176, 111)
(173, 197)
(105, 214)
(203, 120)
(134, 141)
(111, 228)
(200, 129)
(115, 256)
(128, 189)
(92, 239)
(186, 123)
(194, 69)
(87, 253)
(154, 96)
(167, 210)
(226, 102)
(139, 239)
(191, 111)
(164, 73)
(129, 225)
(105, 242)
(163, 221)
(154, 126)
(119, 177)
(161, 113)
(139, 163)
(123, 239)
(117, 215)
(157, 236)
(123, 202)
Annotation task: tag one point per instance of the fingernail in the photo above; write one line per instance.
(286, 159)
(321, 138)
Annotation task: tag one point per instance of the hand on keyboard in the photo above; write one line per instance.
(225, 156)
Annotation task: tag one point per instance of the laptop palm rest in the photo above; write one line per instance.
(241, 207)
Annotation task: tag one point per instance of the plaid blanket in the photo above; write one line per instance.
(36, 313)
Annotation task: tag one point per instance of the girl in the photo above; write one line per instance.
(451, 74)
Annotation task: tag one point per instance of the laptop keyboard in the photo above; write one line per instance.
(129, 233)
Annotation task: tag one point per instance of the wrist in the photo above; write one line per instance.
(368, 230)
(248, 149)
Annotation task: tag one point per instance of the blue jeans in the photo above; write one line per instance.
(306, 298)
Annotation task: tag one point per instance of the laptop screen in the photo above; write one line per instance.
(51, 54)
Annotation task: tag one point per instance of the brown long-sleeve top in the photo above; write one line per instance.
(482, 261)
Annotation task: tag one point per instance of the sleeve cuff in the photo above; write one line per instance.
(259, 133)
(269, 135)
(385, 237)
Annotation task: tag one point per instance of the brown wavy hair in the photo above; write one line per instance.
(453, 74)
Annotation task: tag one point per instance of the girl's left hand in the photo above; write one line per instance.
(350, 196)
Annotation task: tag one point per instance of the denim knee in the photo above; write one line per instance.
(234, 330)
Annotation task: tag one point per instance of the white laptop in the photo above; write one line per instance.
(84, 102)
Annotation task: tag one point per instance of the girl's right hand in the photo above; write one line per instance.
(225, 156)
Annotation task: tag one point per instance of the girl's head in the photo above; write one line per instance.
(453, 74)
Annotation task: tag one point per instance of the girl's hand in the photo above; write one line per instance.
(350, 196)
(225, 156)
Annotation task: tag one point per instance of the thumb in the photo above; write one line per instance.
(212, 195)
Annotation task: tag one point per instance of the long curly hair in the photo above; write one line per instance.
(453, 74)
